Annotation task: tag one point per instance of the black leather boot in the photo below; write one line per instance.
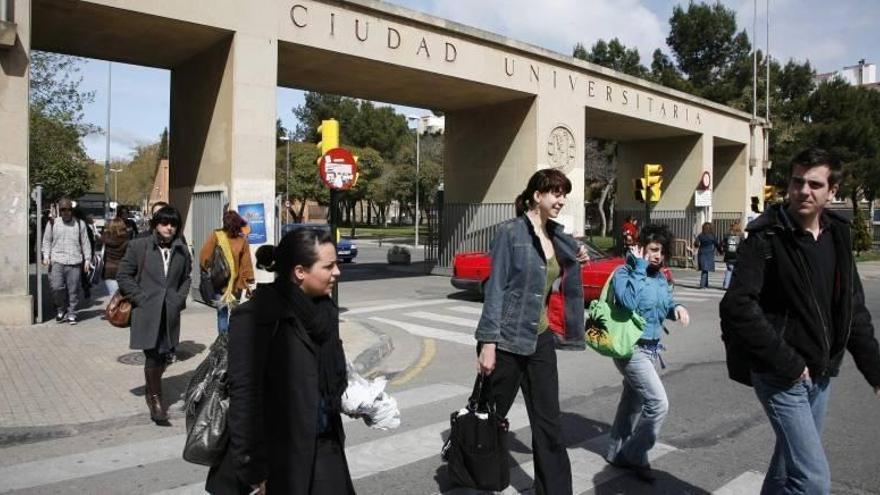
(153, 396)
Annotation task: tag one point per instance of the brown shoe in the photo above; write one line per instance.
(153, 396)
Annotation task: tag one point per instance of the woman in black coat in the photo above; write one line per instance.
(286, 377)
(154, 275)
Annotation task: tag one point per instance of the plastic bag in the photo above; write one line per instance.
(367, 399)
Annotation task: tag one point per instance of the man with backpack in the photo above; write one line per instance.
(795, 304)
(729, 245)
(67, 252)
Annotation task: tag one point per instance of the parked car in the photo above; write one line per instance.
(346, 249)
(470, 270)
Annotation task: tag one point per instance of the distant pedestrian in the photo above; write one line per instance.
(67, 252)
(115, 241)
(92, 233)
(706, 244)
(237, 253)
(155, 276)
(795, 304)
(729, 245)
(287, 374)
(517, 349)
(629, 233)
(642, 287)
(130, 225)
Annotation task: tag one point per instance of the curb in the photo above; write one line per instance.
(373, 355)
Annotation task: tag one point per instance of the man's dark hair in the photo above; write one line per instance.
(816, 157)
(657, 233)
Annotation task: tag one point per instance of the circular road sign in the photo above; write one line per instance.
(338, 169)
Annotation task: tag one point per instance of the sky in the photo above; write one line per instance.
(831, 35)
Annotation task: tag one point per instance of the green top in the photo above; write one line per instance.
(553, 272)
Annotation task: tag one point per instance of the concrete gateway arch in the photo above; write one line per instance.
(510, 107)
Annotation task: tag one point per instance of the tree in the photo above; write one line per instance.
(58, 159)
(318, 107)
(304, 182)
(613, 55)
(663, 71)
(708, 49)
(601, 173)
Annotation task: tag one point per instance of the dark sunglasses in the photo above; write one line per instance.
(166, 222)
(65, 209)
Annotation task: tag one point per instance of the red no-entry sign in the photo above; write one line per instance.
(338, 169)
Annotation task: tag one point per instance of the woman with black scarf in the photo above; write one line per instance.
(286, 377)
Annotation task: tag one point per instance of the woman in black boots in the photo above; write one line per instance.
(287, 375)
(154, 275)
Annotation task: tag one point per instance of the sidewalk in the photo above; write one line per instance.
(54, 375)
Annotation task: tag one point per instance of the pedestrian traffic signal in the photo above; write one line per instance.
(639, 190)
(756, 204)
(329, 132)
(769, 194)
(653, 181)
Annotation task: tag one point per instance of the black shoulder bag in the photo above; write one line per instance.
(476, 451)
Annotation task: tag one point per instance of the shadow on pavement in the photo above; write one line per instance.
(357, 272)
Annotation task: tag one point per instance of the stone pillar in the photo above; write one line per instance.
(729, 189)
(16, 307)
(223, 125)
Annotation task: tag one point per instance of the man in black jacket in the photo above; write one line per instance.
(794, 305)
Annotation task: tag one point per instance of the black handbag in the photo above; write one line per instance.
(476, 451)
(206, 402)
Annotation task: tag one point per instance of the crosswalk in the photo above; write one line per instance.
(393, 451)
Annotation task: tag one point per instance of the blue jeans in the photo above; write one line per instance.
(704, 279)
(111, 285)
(796, 412)
(643, 407)
(728, 274)
(223, 319)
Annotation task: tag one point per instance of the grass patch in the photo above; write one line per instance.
(868, 256)
(390, 231)
(603, 243)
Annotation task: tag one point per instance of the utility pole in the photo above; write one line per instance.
(107, 151)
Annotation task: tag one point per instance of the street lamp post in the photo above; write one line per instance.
(286, 139)
(107, 152)
(116, 184)
(418, 164)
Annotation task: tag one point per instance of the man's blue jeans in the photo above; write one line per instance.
(796, 412)
(642, 409)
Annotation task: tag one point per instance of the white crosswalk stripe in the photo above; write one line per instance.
(386, 307)
(429, 332)
(440, 318)
(471, 310)
(747, 483)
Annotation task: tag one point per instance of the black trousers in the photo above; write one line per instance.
(330, 473)
(538, 378)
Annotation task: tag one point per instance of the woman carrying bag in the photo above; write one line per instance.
(154, 275)
(516, 349)
(234, 246)
(115, 241)
(641, 287)
(287, 374)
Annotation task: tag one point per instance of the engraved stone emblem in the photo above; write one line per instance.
(561, 148)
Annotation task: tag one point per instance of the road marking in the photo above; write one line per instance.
(429, 332)
(684, 299)
(471, 310)
(385, 307)
(440, 318)
(73, 466)
(385, 454)
(745, 484)
(588, 468)
(429, 350)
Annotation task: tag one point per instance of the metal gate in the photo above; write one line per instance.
(206, 216)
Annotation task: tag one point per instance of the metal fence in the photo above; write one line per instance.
(469, 227)
(207, 215)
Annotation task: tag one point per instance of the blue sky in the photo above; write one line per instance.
(829, 34)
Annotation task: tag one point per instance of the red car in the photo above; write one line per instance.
(470, 271)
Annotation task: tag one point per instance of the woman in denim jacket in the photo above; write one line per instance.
(531, 255)
(641, 286)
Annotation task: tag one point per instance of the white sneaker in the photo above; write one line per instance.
(71, 318)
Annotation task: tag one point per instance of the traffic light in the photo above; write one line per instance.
(653, 181)
(756, 204)
(639, 190)
(769, 194)
(329, 132)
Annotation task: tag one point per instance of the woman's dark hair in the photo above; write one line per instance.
(707, 228)
(233, 223)
(167, 215)
(543, 181)
(299, 247)
(265, 256)
(659, 234)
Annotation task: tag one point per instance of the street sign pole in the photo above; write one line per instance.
(334, 225)
(647, 199)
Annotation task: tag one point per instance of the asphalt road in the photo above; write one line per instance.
(716, 438)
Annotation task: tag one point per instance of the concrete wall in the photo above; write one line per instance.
(730, 179)
(683, 159)
(15, 301)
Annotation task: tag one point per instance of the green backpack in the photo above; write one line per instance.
(612, 330)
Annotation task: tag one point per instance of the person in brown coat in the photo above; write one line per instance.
(115, 241)
(234, 245)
